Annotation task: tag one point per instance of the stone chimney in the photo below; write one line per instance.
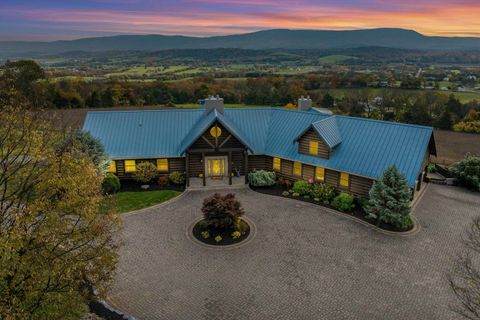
(214, 103)
(304, 104)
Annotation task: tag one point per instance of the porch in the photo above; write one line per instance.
(215, 183)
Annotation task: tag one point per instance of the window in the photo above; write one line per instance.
(113, 167)
(277, 163)
(320, 173)
(313, 148)
(130, 166)
(344, 179)
(215, 132)
(162, 164)
(297, 169)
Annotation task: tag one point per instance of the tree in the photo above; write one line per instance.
(221, 211)
(19, 78)
(54, 243)
(445, 121)
(80, 141)
(390, 199)
(464, 278)
(467, 171)
(328, 101)
(145, 172)
(455, 107)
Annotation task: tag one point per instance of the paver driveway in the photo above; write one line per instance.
(304, 263)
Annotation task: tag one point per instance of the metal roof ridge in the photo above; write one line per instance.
(384, 122)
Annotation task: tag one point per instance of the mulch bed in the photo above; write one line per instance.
(358, 212)
(132, 185)
(224, 233)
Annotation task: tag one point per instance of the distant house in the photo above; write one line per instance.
(211, 142)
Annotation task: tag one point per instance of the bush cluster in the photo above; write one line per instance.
(320, 192)
(111, 184)
(262, 178)
(177, 177)
(343, 202)
(467, 172)
(222, 211)
(145, 172)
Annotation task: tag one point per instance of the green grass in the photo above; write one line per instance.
(130, 201)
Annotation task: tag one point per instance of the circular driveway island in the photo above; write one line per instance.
(305, 262)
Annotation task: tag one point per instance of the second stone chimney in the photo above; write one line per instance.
(304, 104)
(214, 103)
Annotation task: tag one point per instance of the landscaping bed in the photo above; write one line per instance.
(357, 211)
(224, 233)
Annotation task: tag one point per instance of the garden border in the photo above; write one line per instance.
(251, 236)
(416, 224)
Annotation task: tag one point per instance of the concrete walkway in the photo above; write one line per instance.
(304, 263)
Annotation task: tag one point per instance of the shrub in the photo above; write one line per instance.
(431, 168)
(145, 172)
(222, 211)
(177, 177)
(205, 234)
(390, 199)
(323, 192)
(111, 184)
(218, 238)
(306, 196)
(470, 126)
(235, 235)
(261, 178)
(467, 171)
(163, 181)
(316, 199)
(343, 202)
(295, 194)
(302, 187)
(288, 184)
(281, 181)
(285, 193)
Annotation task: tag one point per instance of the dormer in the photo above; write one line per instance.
(320, 139)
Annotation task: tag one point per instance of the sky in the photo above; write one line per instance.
(47, 20)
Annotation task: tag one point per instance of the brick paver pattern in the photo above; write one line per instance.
(304, 263)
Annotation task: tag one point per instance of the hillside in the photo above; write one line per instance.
(268, 39)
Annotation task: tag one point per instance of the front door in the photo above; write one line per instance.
(216, 167)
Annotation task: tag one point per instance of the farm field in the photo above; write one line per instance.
(452, 146)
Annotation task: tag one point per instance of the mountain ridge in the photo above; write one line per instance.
(264, 39)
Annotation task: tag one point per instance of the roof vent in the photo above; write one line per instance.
(304, 104)
(214, 103)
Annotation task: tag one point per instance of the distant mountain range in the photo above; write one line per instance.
(268, 39)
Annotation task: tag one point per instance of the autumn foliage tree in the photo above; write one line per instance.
(54, 243)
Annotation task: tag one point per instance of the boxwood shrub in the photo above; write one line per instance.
(262, 178)
(111, 184)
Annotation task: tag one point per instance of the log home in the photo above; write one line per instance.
(213, 142)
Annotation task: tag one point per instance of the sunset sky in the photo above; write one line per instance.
(71, 19)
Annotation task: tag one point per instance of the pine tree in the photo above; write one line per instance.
(390, 199)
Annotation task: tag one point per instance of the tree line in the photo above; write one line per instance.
(426, 108)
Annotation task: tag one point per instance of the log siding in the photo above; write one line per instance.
(304, 144)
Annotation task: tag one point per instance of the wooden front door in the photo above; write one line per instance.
(216, 167)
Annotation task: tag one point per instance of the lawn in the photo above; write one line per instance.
(135, 200)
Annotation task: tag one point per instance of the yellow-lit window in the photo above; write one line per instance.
(344, 181)
(313, 148)
(130, 166)
(297, 169)
(320, 173)
(113, 167)
(277, 163)
(162, 164)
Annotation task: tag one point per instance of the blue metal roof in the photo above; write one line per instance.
(367, 146)
(206, 122)
(328, 130)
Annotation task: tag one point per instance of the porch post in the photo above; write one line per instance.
(203, 168)
(187, 171)
(245, 164)
(230, 167)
